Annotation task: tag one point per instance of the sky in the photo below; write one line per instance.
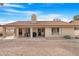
(11, 12)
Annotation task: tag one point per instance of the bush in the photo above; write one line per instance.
(1, 34)
(76, 37)
(67, 37)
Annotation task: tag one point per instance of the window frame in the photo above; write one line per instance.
(55, 30)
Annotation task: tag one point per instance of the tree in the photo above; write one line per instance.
(76, 17)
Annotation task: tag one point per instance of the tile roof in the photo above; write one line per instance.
(75, 22)
(47, 23)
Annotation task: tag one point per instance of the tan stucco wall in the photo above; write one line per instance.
(48, 32)
(68, 31)
(62, 32)
(76, 32)
(34, 29)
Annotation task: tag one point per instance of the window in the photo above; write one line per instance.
(55, 30)
(27, 32)
(41, 32)
(76, 28)
(58, 30)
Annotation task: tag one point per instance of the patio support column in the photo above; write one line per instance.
(17, 32)
(60, 31)
(4, 31)
(14, 31)
(23, 31)
(31, 32)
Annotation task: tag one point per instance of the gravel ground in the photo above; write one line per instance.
(33, 47)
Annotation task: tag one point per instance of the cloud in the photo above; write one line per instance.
(5, 22)
(23, 12)
(66, 20)
(32, 12)
(12, 5)
(48, 17)
(52, 4)
(11, 10)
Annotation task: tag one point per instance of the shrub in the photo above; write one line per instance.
(67, 37)
(76, 37)
(1, 34)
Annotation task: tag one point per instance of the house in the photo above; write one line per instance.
(34, 28)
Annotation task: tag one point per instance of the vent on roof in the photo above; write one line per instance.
(34, 18)
(56, 19)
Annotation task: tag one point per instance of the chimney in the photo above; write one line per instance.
(34, 18)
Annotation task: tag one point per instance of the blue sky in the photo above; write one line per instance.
(45, 11)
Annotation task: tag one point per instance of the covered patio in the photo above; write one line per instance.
(23, 31)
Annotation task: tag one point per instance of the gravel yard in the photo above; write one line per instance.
(43, 47)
